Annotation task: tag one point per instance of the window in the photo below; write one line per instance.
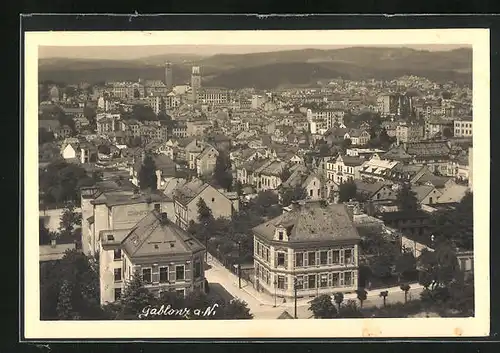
(179, 273)
(146, 275)
(117, 255)
(257, 250)
(267, 254)
(118, 293)
(319, 192)
(180, 292)
(312, 258)
(197, 268)
(311, 192)
(280, 235)
(348, 256)
(323, 280)
(336, 257)
(281, 282)
(323, 257)
(157, 207)
(300, 282)
(299, 259)
(348, 278)
(335, 280)
(163, 274)
(281, 259)
(118, 274)
(311, 281)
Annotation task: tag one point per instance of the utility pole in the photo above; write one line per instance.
(239, 264)
(275, 292)
(295, 297)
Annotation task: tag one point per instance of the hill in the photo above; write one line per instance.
(272, 69)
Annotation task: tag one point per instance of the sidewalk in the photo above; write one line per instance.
(263, 305)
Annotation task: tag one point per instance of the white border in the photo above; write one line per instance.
(346, 328)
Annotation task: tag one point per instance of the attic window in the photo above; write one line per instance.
(172, 245)
(156, 246)
(280, 235)
(111, 237)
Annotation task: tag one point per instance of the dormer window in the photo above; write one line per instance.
(280, 235)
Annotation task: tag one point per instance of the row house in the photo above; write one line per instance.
(409, 133)
(343, 169)
(358, 137)
(167, 258)
(269, 175)
(377, 169)
(314, 246)
(187, 197)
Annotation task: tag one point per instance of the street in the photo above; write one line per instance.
(224, 283)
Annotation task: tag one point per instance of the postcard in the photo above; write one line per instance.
(205, 184)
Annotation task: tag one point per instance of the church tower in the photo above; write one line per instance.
(195, 82)
(169, 81)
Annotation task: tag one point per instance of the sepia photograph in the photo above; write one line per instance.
(256, 177)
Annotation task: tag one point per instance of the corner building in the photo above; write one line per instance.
(314, 245)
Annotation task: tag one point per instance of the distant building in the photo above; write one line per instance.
(169, 78)
(314, 244)
(409, 133)
(195, 82)
(462, 128)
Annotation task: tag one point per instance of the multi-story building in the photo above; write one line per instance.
(343, 169)
(197, 128)
(117, 207)
(438, 127)
(156, 102)
(409, 133)
(327, 118)
(387, 104)
(462, 128)
(206, 160)
(377, 169)
(155, 88)
(314, 245)
(166, 258)
(213, 96)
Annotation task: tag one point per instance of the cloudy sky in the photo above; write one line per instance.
(136, 52)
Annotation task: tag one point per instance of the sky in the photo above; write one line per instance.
(136, 52)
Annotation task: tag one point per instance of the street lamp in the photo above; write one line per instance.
(239, 264)
(275, 292)
(295, 287)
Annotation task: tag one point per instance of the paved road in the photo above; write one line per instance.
(225, 284)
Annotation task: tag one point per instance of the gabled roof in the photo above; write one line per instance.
(422, 191)
(190, 190)
(207, 151)
(368, 188)
(154, 236)
(312, 222)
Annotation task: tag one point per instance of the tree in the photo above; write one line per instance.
(447, 132)
(285, 174)
(288, 195)
(64, 307)
(45, 136)
(350, 310)
(338, 298)
(238, 187)
(347, 191)
(362, 295)
(439, 268)
(45, 236)
(456, 226)
(222, 172)
(147, 173)
(405, 287)
(71, 282)
(322, 307)
(346, 144)
(405, 264)
(267, 204)
(135, 297)
(236, 309)
(60, 182)
(324, 150)
(406, 199)
(69, 220)
(384, 295)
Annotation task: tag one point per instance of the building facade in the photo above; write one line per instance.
(166, 258)
(314, 246)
